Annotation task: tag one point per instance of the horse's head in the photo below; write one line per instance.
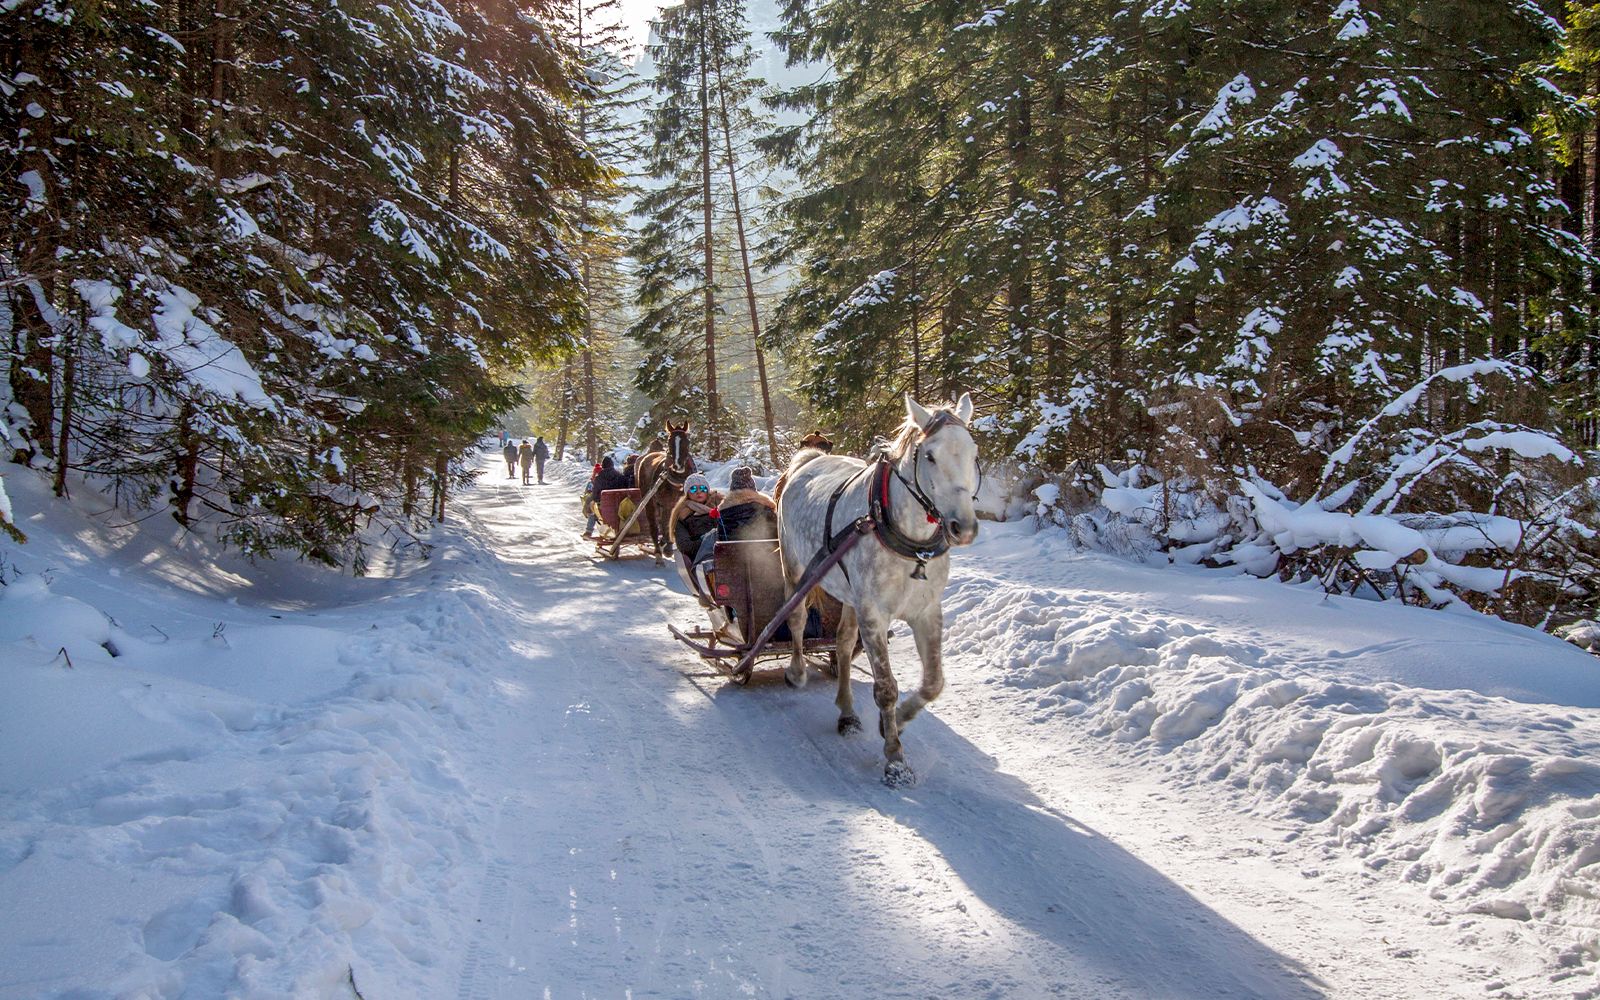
(678, 457)
(945, 463)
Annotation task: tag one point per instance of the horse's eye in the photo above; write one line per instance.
(931, 460)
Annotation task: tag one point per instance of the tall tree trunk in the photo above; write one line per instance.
(1116, 332)
(441, 489)
(566, 405)
(916, 332)
(1055, 293)
(408, 501)
(949, 336)
(713, 415)
(744, 260)
(1019, 286)
(221, 44)
(69, 369)
(591, 432)
(32, 361)
(188, 465)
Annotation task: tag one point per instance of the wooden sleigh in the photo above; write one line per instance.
(619, 532)
(749, 601)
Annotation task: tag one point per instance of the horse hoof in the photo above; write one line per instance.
(898, 774)
(849, 725)
(795, 681)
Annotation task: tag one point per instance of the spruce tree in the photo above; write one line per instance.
(700, 60)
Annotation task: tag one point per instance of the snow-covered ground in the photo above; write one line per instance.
(493, 775)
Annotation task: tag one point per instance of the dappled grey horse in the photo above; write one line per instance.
(919, 493)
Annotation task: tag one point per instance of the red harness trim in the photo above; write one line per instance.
(883, 491)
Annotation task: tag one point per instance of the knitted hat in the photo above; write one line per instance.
(743, 479)
(597, 468)
(696, 479)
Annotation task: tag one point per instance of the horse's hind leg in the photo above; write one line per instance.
(929, 633)
(844, 651)
(794, 674)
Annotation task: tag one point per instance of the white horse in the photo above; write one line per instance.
(919, 494)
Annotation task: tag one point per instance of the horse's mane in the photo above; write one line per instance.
(908, 433)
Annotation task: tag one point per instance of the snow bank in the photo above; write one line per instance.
(1317, 711)
(232, 784)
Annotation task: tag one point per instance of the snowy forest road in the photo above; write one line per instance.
(662, 832)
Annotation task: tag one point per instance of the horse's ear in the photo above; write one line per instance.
(918, 413)
(964, 407)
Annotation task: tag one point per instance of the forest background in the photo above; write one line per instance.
(1306, 288)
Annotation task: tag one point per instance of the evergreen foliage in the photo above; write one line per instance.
(701, 118)
(275, 266)
(1212, 239)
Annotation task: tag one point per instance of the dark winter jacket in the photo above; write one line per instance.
(510, 452)
(746, 514)
(541, 451)
(609, 479)
(689, 525)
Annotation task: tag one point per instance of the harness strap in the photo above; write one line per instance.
(893, 538)
(830, 540)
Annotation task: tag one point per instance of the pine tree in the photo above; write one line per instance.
(285, 270)
(701, 60)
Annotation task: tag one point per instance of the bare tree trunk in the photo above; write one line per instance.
(220, 45)
(31, 351)
(69, 368)
(916, 334)
(1019, 287)
(749, 282)
(566, 405)
(712, 415)
(188, 465)
(441, 488)
(408, 502)
(591, 431)
(1115, 323)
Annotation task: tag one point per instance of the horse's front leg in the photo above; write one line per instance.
(655, 531)
(929, 632)
(874, 629)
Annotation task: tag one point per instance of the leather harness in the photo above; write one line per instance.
(883, 525)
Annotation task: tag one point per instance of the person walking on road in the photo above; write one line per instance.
(541, 455)
(510, 453)
(525, 456)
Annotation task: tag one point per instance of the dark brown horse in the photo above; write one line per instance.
(673, 465)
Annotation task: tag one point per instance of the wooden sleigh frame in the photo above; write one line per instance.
(631, 532)
(749, 581)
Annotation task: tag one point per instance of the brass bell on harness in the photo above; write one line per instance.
(920, 572)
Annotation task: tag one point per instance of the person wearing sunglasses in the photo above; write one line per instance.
(694, 527)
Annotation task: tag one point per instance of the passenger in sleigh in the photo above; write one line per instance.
(694, 520)
(746, 513)
(703, 517)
